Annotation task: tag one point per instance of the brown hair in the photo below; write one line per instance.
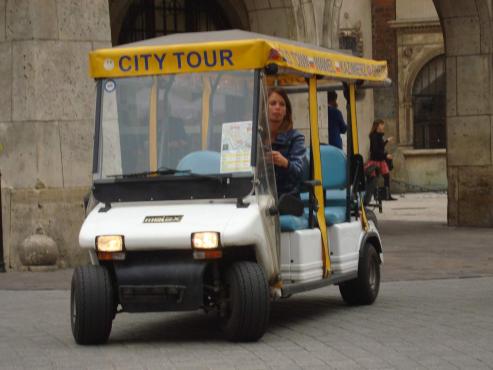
(287, 123)
(375, 125)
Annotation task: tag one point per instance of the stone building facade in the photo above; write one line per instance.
(411, 37)
(46, 122)
(414, 42)
(47, 101)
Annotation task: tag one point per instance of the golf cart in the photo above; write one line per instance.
(187, 215)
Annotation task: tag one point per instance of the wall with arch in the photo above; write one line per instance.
(419, 40)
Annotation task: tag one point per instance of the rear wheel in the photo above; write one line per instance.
(91, 305)
(364, 289)
(248, 303)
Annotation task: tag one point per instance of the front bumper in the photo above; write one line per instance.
(150, 282)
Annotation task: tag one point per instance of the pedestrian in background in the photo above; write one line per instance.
(378, 156)
(337, 126)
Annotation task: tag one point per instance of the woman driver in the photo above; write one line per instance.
(288, 144)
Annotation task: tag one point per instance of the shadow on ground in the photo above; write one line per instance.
(176, 327)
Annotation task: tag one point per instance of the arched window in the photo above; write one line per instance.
(429, 105)
(151, 18)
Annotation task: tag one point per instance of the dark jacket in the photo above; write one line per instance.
(291, 144)
(377, 147)
(337, 126)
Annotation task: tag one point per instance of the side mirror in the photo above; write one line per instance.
(290, 205)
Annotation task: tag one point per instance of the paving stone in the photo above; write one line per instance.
(431, 324)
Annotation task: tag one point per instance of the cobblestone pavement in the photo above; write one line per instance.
(433, 324)
(424, 318)
(419, 245)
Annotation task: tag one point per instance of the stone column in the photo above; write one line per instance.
(467, 27)
(47, 117)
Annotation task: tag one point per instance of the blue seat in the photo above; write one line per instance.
(334, 184)
(336, 197)
(334, 181)
(201, 162)
(333, 197)
(333, 168)
(293, 223)
(335, 215)
(305, 198)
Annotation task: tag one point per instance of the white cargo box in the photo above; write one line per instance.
(301, 252)
(301, 256)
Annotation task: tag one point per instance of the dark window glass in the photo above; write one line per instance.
(151, 18)
(429, 106)
(349, 43)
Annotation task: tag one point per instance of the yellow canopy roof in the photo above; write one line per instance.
(228, 50)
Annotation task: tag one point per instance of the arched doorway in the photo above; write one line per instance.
(428, 99)
(291, 19)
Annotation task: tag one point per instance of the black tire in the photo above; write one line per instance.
(371, 216)
(248, 305)
(91, 305)
(364, 289)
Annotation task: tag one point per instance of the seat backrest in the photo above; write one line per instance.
(201, 162)
(334, 171)
(334, 175)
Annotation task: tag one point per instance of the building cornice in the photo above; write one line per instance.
(417, 23)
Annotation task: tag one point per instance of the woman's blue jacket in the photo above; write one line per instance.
(291, 144)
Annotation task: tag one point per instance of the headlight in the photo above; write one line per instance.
(205, 240)
(109, 243)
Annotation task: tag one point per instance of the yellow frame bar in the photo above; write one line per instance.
(354, 123)
(317, 173)
(354, 132)
(206, 98)
(153, 128)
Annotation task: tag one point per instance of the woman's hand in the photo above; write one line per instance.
(390, 139)
(389, 156)
(279, 160)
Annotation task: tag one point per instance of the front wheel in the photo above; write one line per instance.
(91, 305)
(364, 289)
(248, 303)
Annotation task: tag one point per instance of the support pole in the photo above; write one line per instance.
(317, 173)
(153, 128)
(355, 146)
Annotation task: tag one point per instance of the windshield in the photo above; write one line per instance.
(184, 125)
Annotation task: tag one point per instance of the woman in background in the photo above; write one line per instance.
(378, 155)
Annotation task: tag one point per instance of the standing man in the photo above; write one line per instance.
(337, 126)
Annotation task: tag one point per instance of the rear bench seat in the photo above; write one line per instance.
(334, 184)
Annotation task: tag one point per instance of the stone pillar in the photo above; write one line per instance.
(47, 116)
(467, 27)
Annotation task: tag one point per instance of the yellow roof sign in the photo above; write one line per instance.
(228, 50)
